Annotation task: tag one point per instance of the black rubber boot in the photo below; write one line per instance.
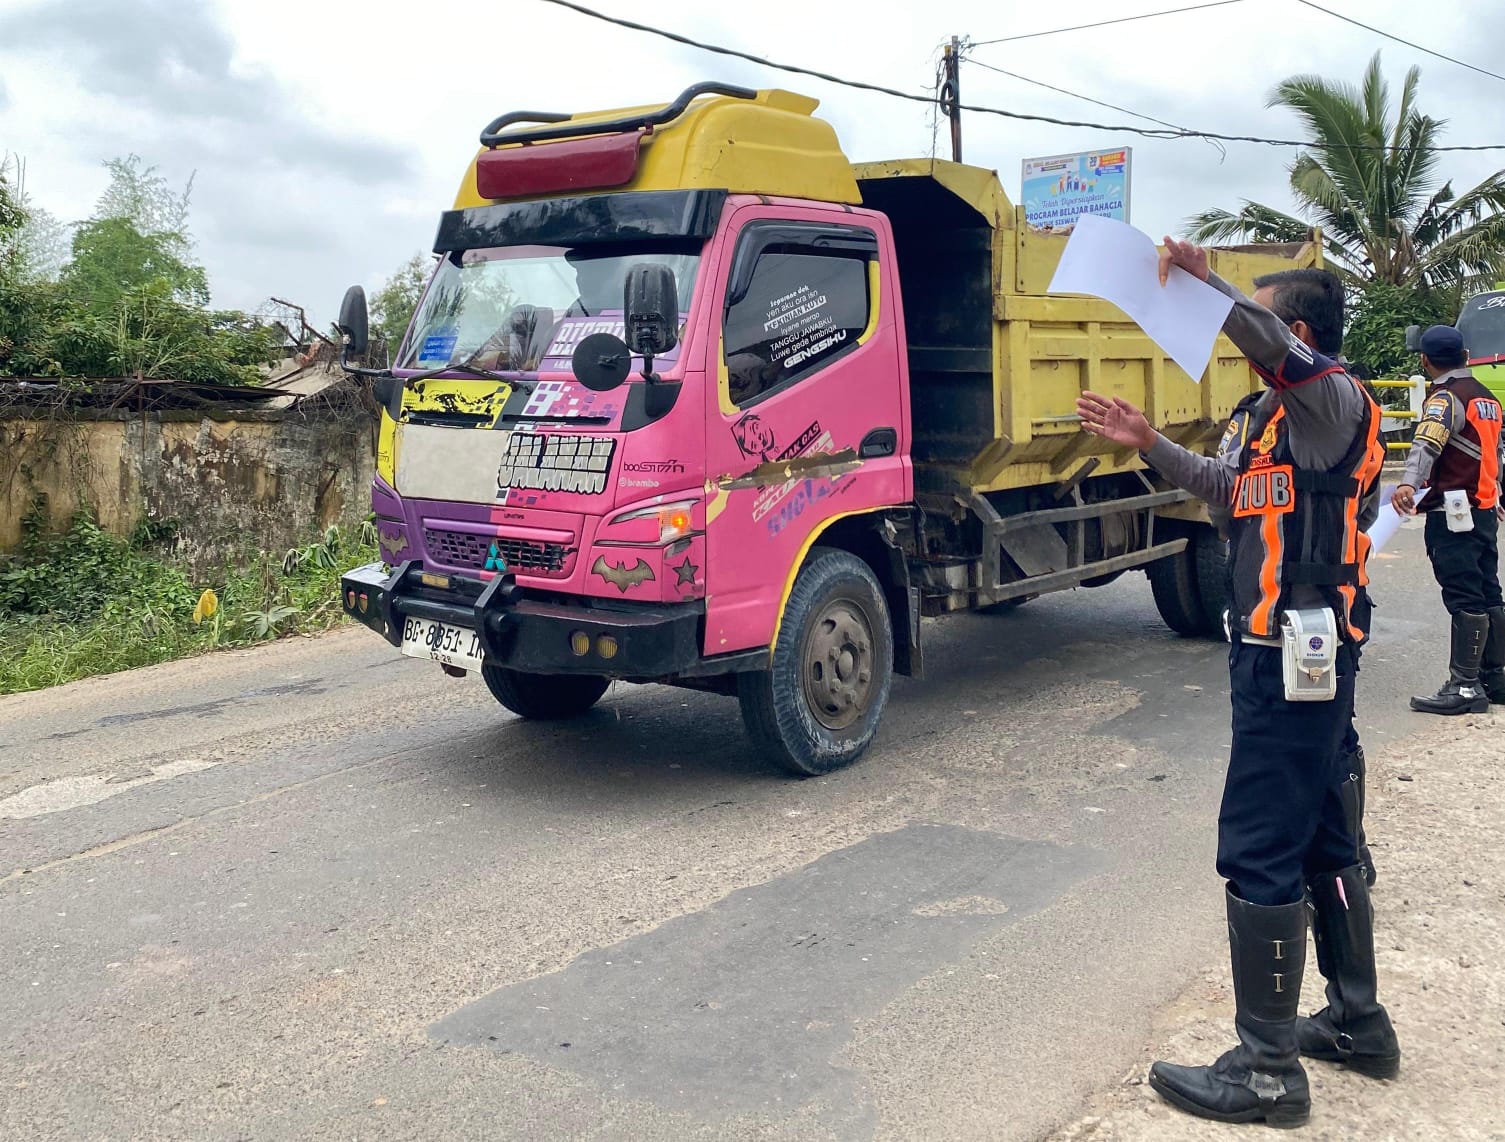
(1353, 1029)
(1352, 792)
(1492, 667)
(1463, 693)
(1260, 1080)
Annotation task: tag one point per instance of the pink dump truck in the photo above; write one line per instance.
(692, 399)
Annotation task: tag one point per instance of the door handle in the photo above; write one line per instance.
(878, 442)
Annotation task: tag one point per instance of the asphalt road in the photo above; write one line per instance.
(318, 891)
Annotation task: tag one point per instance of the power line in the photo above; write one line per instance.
(1397, 39)
(913, 97)
(1075, 94)
(1105, 23)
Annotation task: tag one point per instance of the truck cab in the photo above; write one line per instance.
(1482, 323)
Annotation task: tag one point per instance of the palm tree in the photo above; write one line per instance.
(1370, 181)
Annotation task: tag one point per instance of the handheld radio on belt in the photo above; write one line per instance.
(1309, 645)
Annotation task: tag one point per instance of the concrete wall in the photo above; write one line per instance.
(234, 482)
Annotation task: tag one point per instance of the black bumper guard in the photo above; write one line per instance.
(534, 635)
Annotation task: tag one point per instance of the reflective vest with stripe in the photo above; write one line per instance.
(1470, 460)
(1294, 526)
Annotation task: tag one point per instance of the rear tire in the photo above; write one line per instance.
(544, 697)
(817, 707)
(1173, 582)
(1213, 585)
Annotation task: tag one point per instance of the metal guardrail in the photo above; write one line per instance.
(1417, 387)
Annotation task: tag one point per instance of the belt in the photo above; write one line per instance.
(1254, 640)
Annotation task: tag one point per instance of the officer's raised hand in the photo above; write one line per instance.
(1115, 419)
(1403, 499)
(1189, 256)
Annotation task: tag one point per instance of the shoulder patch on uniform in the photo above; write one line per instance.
(1437, 405)
(1432, 432)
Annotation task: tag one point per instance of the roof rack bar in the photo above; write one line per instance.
(493, 136)
(521, 117)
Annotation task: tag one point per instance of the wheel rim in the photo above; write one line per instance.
(838, 664)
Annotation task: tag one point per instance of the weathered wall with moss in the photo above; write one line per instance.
(232, 484)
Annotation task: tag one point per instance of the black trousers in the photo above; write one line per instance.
(1282, 821)
(1466, 563)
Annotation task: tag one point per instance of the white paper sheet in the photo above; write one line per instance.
(1387, 523)
(1118, 263)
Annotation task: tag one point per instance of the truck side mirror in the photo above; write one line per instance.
(650, 301)
(354, 324)
(1413, 339)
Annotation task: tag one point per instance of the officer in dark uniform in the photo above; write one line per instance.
(1235, 438)
(1456, 454)
(1297, 498)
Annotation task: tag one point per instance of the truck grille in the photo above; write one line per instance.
(463, 549)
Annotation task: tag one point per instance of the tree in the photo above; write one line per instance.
(138, 235)
(154, 334)
(34, 244)
(129, 302)
(12, 219)
(111, 257)
(1370, 180)
(141, 196)
(392, 306)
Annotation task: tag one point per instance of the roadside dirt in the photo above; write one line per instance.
(1435, 821)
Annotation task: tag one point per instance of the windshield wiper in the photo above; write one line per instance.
(477, 371)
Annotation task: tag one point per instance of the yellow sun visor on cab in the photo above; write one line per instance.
(714, 136)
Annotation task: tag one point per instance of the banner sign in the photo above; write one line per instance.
(1059, 189)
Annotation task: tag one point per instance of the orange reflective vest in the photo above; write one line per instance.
(1469, 459)
(1294, 526)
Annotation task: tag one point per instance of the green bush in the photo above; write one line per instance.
(87, 602)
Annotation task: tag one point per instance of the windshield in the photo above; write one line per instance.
(1482, 324)
(512, 308)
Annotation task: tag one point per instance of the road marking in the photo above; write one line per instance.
(90, 789)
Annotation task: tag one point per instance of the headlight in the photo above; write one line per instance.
(675, 521)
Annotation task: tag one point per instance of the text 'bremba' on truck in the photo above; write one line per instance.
(691, 399)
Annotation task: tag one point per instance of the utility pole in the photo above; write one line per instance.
(951, 95)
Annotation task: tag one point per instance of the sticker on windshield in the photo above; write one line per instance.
(439, 347)
(572, 331)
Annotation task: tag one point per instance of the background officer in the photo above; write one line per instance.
(1457, 450)
(1297, 496)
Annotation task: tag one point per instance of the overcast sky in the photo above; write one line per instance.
(325, 136)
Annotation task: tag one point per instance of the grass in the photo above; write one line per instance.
(87, 603)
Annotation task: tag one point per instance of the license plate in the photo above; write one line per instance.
(455, 646)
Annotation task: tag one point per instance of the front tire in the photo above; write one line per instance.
(817, 707)
(543, 697)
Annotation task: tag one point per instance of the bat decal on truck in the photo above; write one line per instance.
(619, 575)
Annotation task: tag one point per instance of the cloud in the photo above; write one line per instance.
(327, 138)
(165, 79)
(175, 61)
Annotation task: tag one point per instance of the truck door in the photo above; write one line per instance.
(807, 418)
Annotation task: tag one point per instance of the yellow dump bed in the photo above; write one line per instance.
(996, 363)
